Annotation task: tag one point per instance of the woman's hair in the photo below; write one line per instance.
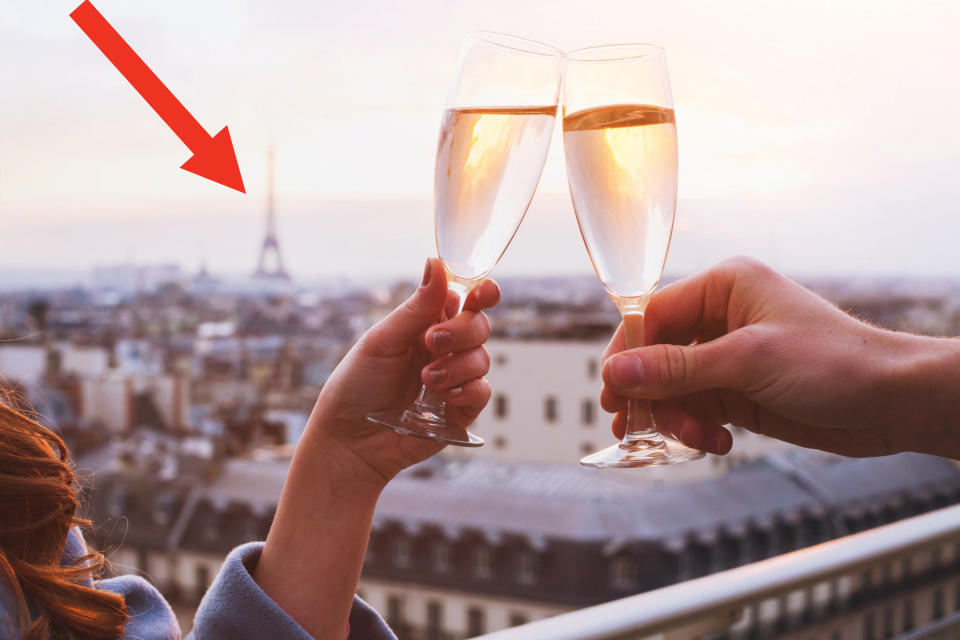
(38, 506)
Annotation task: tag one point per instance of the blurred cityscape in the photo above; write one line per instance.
(181, 396)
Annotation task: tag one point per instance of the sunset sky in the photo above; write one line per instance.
(822, 137)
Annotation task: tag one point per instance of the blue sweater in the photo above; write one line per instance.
(234, 606)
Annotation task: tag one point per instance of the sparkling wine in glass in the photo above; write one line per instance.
(620, 145)
(494, 138)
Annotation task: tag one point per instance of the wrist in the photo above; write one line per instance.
(927, 394)
(338, 466)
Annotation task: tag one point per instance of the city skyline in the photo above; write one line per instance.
(791, 123)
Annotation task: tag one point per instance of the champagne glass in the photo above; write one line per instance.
(620, 145)
(494, 138)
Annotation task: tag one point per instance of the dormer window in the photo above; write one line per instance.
(401, 552)
(526, 567)
(440, 557)
(623, 573)
(482, 565)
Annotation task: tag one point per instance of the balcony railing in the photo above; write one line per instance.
(696, 608)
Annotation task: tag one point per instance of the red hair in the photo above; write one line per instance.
(38, 507)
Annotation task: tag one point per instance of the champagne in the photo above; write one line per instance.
(489, 162)
(622, 170)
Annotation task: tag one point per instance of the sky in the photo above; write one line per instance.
(821, 137)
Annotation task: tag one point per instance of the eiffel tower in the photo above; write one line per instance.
(271, 246)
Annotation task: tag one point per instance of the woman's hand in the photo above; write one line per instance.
(384, 371)
(743, 345)
(312, 558)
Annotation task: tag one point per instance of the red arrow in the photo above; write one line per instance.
(213, 158)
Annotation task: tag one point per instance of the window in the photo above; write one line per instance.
(888, 622)
(440, 556)
(938, 603)
(481, 562)
(201, 579)
(475, 622)
(395, 612)
(401, 552)
(501, 359)
(500, 442)
(517, 619)
(500, 406)
(956, 597)
(623, 573)
(869, 627)
(936, 558)
(906, 570)
(587, 448)
(434, 620)
(786, 537)
(526, 567)
(908, 615)
(592, 368)
(588, 412)
(550, 409)
(758, 545)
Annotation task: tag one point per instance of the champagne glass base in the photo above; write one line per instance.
(641, 454)
(423, 422)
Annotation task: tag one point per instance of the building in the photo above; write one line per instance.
(463, 547)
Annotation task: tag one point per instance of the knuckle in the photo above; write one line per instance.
(483, 389)
(411, 305)
(481, 325)
(749, 266)
(675, 368)
(484, 357)
(753, 344)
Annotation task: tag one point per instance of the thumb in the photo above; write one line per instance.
(400, 330)
(668, 370)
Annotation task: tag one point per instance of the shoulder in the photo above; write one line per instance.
(151, 618)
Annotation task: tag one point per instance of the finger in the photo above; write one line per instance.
(464, 408)
(611, 402)
(452, 304)
(473, 393)
(400, 330)
(617, 344)
(669, 370)
(456, 369)
(483, 296)
(696, 421)
(619, 424)
(465, 331)
(678, 425)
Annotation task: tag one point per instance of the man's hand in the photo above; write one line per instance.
(743, 345)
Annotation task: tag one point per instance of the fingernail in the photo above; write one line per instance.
(441, 339)
(426, 274)
(456, 392)
(437, 375)
(626, 371)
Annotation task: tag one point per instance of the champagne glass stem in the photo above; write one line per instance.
(641, 428)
